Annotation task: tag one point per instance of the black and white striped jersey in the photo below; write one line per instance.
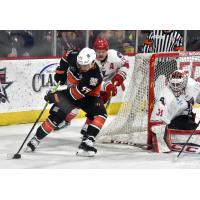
(162, 41)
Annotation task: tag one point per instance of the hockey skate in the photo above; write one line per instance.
(62, 125)
(86, 148)
(32, 145)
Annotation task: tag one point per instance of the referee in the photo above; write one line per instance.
(163, 41)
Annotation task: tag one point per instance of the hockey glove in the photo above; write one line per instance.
(52, 97)
(118, 79)
(110, 89)
(104, 96)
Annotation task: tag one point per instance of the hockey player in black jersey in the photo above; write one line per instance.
(84, 79)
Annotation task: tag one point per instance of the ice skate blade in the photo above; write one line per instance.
(83, 153)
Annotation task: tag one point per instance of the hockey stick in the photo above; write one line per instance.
(109, 100)
(186, 143)
(18, 155)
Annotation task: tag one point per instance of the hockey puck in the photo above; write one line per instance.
(17, 156)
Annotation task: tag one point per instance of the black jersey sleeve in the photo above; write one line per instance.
(69, 60)
(61, 74)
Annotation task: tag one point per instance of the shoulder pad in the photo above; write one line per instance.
(114, 56)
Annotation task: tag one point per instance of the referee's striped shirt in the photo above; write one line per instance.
(161, 41)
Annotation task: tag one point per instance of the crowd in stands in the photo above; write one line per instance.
(20, 43)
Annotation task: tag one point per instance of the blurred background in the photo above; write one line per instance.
(21, 43)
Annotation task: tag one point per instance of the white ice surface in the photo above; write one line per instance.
(58, 150)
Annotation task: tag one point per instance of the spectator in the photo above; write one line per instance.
(142, 34)
(68, 40)
(5, 45)
(22, 42)
(43, 43)
(193, 40)
(128, 43)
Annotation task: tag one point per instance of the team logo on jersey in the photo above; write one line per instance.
(3, 86)
(93, 81)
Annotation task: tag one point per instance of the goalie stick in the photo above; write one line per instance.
(186, 143)
(18, 155)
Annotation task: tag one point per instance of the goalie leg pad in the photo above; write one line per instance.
(159, 130)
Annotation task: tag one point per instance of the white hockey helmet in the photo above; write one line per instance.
(86, 56)
(178, 81)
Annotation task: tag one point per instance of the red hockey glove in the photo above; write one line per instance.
(110, 89)
(104, 96)
(117, 80)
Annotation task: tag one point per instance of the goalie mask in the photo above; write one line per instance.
(86, 59)
(178, 81)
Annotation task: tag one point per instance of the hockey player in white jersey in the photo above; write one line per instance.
(113, 64)
(173, 108)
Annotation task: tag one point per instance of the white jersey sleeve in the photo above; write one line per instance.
(120, 61)
(115, 63)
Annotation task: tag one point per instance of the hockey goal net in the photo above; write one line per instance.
(132, 123)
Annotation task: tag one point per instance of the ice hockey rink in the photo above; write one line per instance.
(58, 150)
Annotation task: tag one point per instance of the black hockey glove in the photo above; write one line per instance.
(52, 97)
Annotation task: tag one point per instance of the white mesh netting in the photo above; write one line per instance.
(130, 124)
